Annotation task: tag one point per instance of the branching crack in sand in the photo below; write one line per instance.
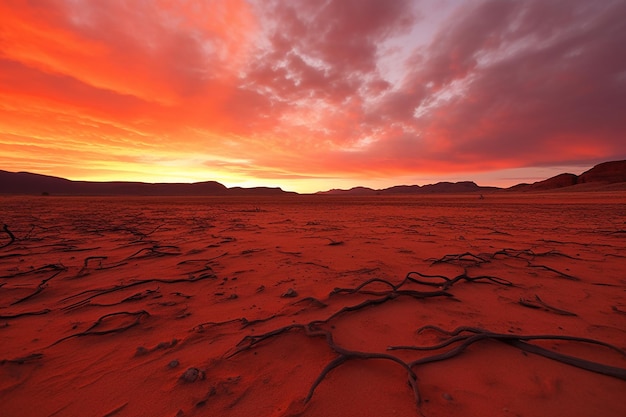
(303, 306)
(6, 230)
(313, 329)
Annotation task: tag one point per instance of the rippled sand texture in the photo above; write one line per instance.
(243, 307)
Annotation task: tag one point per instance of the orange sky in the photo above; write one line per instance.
(311, 95)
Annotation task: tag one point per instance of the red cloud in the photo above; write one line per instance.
(517, 82)
(299, 88)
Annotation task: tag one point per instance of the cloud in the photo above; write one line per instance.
(322, 55)
(502, 84)
(299, 89)
(518, 83)
(157, 51)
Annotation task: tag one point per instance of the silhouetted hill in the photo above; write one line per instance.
(454, 187)
(605, 176)
(606, 172)
(351, 191)
(439, 188)
(598, 177)
(559, 181)
(36, 184)
(257, 191)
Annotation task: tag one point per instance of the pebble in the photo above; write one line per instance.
(191, 375)
(141, 351)
(290, 293)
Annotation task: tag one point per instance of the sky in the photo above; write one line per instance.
(310, 95)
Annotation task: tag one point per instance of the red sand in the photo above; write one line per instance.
(198, 267)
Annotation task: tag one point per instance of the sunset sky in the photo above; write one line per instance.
(310, 95)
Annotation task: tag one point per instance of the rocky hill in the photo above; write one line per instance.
(606, 172)
(25, 183)
(606, 176)
(438, 188)
(598, 177)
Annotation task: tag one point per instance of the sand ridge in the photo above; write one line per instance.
(240, 306)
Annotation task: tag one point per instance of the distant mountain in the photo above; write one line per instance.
(606, 172)
(439, 188)
(600, 176)
(351, 191)
(37, 184)
(240, 191)
(559, 181)
(605, 176)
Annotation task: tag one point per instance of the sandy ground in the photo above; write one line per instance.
(240, 306)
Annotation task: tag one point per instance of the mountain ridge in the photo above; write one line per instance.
(443, 187)
(600, 176)
(26, 183)
(609, 175)
(603, 174)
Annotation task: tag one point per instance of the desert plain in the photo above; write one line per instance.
(511, 305)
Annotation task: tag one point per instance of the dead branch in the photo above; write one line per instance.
(541, 303)
(23, 359)
(26, 313)
(102, 291)
(92, 330)
(562, 274)
(460, 259)
(58, 268)
(519, 341)
(5, 229)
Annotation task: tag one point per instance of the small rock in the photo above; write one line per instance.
(447, 396)
(167, 345)
(290, 293)
(191, 375)
(141, 351)
(173, 364)
(233, 297)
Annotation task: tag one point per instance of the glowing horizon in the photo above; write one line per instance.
(309, 96)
